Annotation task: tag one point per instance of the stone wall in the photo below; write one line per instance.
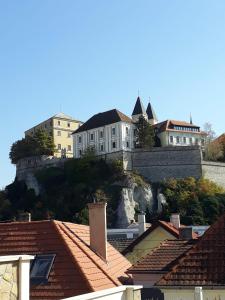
(162, 163)
(9, 284)
(214, 171)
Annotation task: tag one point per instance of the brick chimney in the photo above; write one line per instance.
(175, 220)
(141, 223)
(98, 230)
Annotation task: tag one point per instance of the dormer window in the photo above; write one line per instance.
(40, 268)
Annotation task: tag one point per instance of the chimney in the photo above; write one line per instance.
(24, 217)
(175, 220)
(98, 230)
(141, 223)
(185, 233)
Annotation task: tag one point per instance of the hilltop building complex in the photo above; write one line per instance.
(113, 131)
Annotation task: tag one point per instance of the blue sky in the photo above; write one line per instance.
(83, 57)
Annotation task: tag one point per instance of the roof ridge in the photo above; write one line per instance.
(90, 257)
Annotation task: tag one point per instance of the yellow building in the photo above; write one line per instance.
(150, 239)
(61, 127)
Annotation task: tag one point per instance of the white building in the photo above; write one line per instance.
(105, 132)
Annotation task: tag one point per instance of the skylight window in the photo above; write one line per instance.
(41, 268)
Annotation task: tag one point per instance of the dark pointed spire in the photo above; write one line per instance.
(138, 108)
(191, 119)
(150, 112)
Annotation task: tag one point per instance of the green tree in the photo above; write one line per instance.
(41, 143)
(145, 137)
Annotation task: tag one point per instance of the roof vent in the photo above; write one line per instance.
(141, 223)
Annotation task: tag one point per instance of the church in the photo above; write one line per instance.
(113, 131)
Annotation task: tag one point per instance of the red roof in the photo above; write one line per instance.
(168, 125)
(204, 264)
(162, 258)
(76, 269)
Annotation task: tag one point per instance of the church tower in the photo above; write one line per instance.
(139, 110)
(152, 118)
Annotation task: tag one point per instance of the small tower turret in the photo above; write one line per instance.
(152, 118)
(139, 110)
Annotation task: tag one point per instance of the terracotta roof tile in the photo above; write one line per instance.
(204, 264)
(76, 269)
(162, 258)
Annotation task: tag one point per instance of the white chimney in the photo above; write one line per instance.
(98, 230)
(198, 293)
(141, 223)
(175, 220)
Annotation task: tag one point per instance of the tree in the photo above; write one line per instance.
(209, 131)
(145, 137)
(41, 143)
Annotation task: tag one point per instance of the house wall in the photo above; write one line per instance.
(182, 294)
(147, 280)
(150, 242)
(118, 293)
(9, 285)
(103, 138)
(197, 138)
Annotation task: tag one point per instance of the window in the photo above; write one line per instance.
(101, 134)
(69, 148)
(171, 139)
(41, 268)
(113, 131)
(178, 140)
(80, 152)
(45, 126)
(101, 148)
(58, 123)
(196, 141)
(127, 144)
(68, 124)
(190, 140)
(79, 139)
(127, 130)
(69, 135)
(92, 136)
(202, 142)
(59, 133)
(184, 140)
(59, 147)
(113, 145)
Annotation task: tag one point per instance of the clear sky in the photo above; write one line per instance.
(84, 56)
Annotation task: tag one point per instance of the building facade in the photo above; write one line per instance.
(61, 127)
(106, 132)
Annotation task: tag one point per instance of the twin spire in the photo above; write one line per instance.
(149, 114)
(140, 110)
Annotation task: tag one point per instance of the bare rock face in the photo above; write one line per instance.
(133, 197)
